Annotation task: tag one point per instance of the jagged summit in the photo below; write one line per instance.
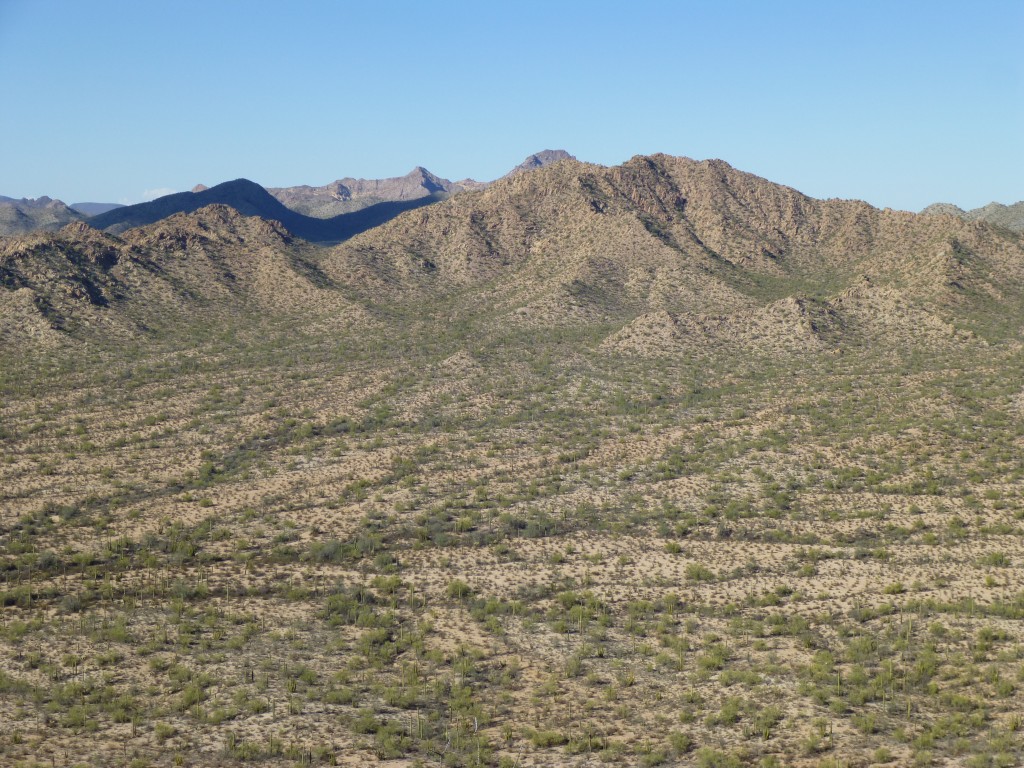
(76, 228)
(349, 195)
(19, 216)
(575, 243)
(375, 200)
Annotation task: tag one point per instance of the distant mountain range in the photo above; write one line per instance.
(1009, 216)
(327, 214)
(334, 212)
(348, 195)
(250, 199)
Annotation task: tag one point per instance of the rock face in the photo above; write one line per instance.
(1009, 216)
(25, 215)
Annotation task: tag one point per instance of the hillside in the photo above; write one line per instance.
(539, 160)
(80, 283)
(660, 233)
(657, 464)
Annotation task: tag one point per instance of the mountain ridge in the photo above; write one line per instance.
(20, 216)
(349, 194)
(364, 204)
(1009, 216)
(575, 244)
(250, 199)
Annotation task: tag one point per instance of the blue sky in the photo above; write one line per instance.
(897, 103)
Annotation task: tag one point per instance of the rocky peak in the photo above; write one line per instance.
(427, 180)
(539, 160)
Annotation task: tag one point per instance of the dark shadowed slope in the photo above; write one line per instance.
(95, 209)
(250, 199)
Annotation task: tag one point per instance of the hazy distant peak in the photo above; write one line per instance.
(540, 159)
(30, 202)
(95, 209)
(199, 188)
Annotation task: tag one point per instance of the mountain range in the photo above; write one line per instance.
(378, 199)
(670, 253)
(348, 195)
(250, 199)
(373, 200)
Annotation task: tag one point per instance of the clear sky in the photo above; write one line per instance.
(899, 103)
